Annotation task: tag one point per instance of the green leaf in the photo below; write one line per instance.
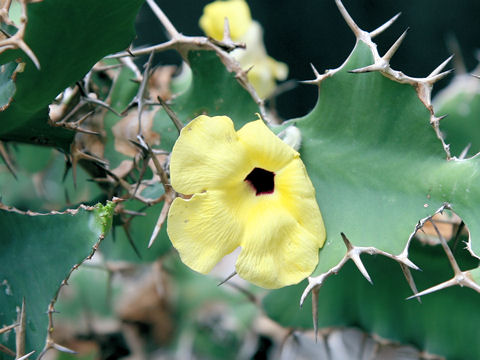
(37, 252)
(68, 37)
(444, 323)
(377, 165)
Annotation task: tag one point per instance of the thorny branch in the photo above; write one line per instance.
(183, 44)
(50, 343)
(461, 278)
(423, 86)
(16, 41)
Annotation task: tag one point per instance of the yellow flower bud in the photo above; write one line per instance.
(214, 14)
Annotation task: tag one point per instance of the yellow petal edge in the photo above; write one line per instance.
(279, 233)
(214, 14)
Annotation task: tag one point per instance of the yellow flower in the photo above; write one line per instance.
(264, 70)
(214, 14)
(248, 189)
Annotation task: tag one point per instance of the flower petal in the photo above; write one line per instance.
(214, 14)
(264, 148)
(203, 230)
(283, 231)
(298, 196)
(208, 155)
(277, 251)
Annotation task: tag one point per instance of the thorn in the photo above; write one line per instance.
(141, 145)
(441, 286)
(26, 356)
(143, 170)
(454, 47)
(307, 290)
(63, 349)
(469, 282)
(440, 67)
(438, 77)
(464, 152)
(348, 19)
(411, 282)
(347, 242)
(315, 291)
(385, 26)
(101, 104)
(440, 118)
(160, 221)
(448, 251)
(315, 71)
(355, 256)
(130, 240)
(309, 82)
(6, 159)
(20, 331)
(227, 278)
(405, 261)
(369, 68)
(393, 49)
(26, 49)
(171, 114)
(161, 172)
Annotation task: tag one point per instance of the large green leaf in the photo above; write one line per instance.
(444, 323)
(68, 37)
(37, 252)
(377, 164)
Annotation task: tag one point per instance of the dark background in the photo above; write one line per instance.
(300, 32)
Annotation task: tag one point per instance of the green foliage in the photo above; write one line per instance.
(443, 323)
(37, 253)
(370, 139)
(67, 48)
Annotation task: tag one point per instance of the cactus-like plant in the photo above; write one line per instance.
(374, 146)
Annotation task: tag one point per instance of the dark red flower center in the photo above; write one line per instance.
(261, 180)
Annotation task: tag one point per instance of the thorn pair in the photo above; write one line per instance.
(461, 278)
